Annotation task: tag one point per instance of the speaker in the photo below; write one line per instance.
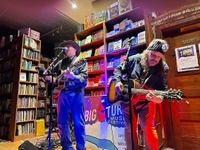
(27, 146)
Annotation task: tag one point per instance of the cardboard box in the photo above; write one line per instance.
(28, 31)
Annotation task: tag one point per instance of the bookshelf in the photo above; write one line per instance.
(42, 92)
(18, 90)
(7, 70)
(108, 49)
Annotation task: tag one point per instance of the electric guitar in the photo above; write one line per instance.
(113, 96)
(60, 79)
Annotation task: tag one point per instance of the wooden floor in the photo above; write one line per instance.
(7, 145)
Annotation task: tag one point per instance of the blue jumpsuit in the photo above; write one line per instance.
(70, 100)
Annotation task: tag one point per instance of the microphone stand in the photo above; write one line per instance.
(127, 66)
(52, 74)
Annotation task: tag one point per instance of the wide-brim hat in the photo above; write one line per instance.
(71, 43)
(158, 45)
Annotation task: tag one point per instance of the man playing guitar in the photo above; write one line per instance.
(70, 98)
(149, 69)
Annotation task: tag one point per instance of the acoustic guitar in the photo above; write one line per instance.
(59, 79)
(113, 96)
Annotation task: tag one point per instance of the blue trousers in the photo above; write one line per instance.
(71, 102)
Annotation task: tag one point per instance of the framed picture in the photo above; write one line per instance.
(186, 58)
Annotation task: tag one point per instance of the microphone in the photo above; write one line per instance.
(64, 49)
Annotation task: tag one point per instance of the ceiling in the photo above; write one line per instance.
(53, 17)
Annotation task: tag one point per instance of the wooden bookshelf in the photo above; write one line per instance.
(19, 80)
(43, 93)
(108, 59)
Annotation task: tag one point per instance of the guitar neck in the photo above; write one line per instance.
(144, 91)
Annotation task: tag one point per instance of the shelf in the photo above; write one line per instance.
(124, 50)
(95, 57)
(34, 71)
(33, 60)
(24, 136)
(27, 82)
(34, 95)
(95, 88)
(84, 33)
(134, 14)
(41, 97)
(127, 33)
(117, 52)
(27, 121)
(26, 108)
(96, 72)
(92, 44)
(110, 69)
(30, 48)
(41, 108)
(95, 96)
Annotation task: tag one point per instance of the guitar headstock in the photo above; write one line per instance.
(175, 94)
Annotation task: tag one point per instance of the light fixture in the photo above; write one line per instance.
(73, 3)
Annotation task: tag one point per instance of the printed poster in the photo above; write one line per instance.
(105, 124)
(186, 58)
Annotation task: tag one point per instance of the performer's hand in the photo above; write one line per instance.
(69, 74)
(154, 98)
(119, 88)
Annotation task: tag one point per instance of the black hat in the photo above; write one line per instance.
(158, 45)
(71, 43)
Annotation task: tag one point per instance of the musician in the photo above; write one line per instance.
(70, 99)
(149, 69)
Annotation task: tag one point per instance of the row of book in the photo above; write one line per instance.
(125, 25)
(93, 52)
(42, 93)
(26, 102)
(91, 38)
(41, 113)
(26, 128)
(31, 43)
(30, 54)
(124, 43)
(28, 65)
(27, 89)
(116, 61)
(30, 77)
(97, 80)
(114, 10)
(96, 65)
(25, 115)
(97, 93)
(41, 103)
(6, 88)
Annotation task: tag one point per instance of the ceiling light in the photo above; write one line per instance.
(74, 5)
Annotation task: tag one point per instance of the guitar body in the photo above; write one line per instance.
(61, 82)
(137, 92)
(114, 97)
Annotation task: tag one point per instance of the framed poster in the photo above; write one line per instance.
(186, 58)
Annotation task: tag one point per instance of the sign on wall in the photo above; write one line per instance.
(186, 58)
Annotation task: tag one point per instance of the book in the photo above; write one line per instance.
(113, 10)
(23, 76)
(124, 6)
